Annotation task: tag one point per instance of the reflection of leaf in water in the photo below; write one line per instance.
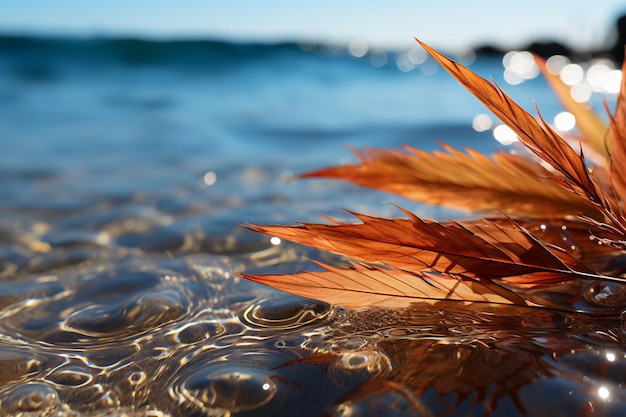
(509, 355)
(521, 362)
(489, 260)
(480, 374)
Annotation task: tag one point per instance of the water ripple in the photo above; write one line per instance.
(284, 313)
(119, 303)
(33, 397)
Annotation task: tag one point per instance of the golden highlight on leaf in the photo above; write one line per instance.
(471, 181)
(367, 285)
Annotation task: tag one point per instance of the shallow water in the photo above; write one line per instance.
(127, 171)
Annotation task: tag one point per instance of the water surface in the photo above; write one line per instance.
(126, 172)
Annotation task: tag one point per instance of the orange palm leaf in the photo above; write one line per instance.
(472, 181)
(537, 137)
(617, 142)
(413, 260)
(369, 286)
(482, 249)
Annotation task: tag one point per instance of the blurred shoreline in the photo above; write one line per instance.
(613, 49)
(138, 49)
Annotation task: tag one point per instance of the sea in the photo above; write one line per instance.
(128, 169)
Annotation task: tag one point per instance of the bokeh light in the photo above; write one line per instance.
(417, 55)
(571, 74)
(555, 63)
(613, 82)
(209, 178)
(603, 393)
(358, 47)
(482, 122)
(565, 121)
(378, 58)
(404, 63)
(597, 73)
(505, 135)
(519, 66)
(581, 93)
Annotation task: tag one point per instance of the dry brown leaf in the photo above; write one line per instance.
(537, 137)
(482, 249)
(369, 285)
(471, 181)
(581, 240)
(617, 143)
(566, 225)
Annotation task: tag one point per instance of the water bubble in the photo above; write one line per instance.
(227, 388)
(30, 397)
(195, 332)
(283, 313)
(356, 361)
(126, 318)
(71, 376)
(606, 294)
(363, 363)
(136, 378)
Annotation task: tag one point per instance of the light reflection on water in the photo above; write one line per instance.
(132, 333)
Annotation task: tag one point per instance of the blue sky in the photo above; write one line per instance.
(452, 24)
